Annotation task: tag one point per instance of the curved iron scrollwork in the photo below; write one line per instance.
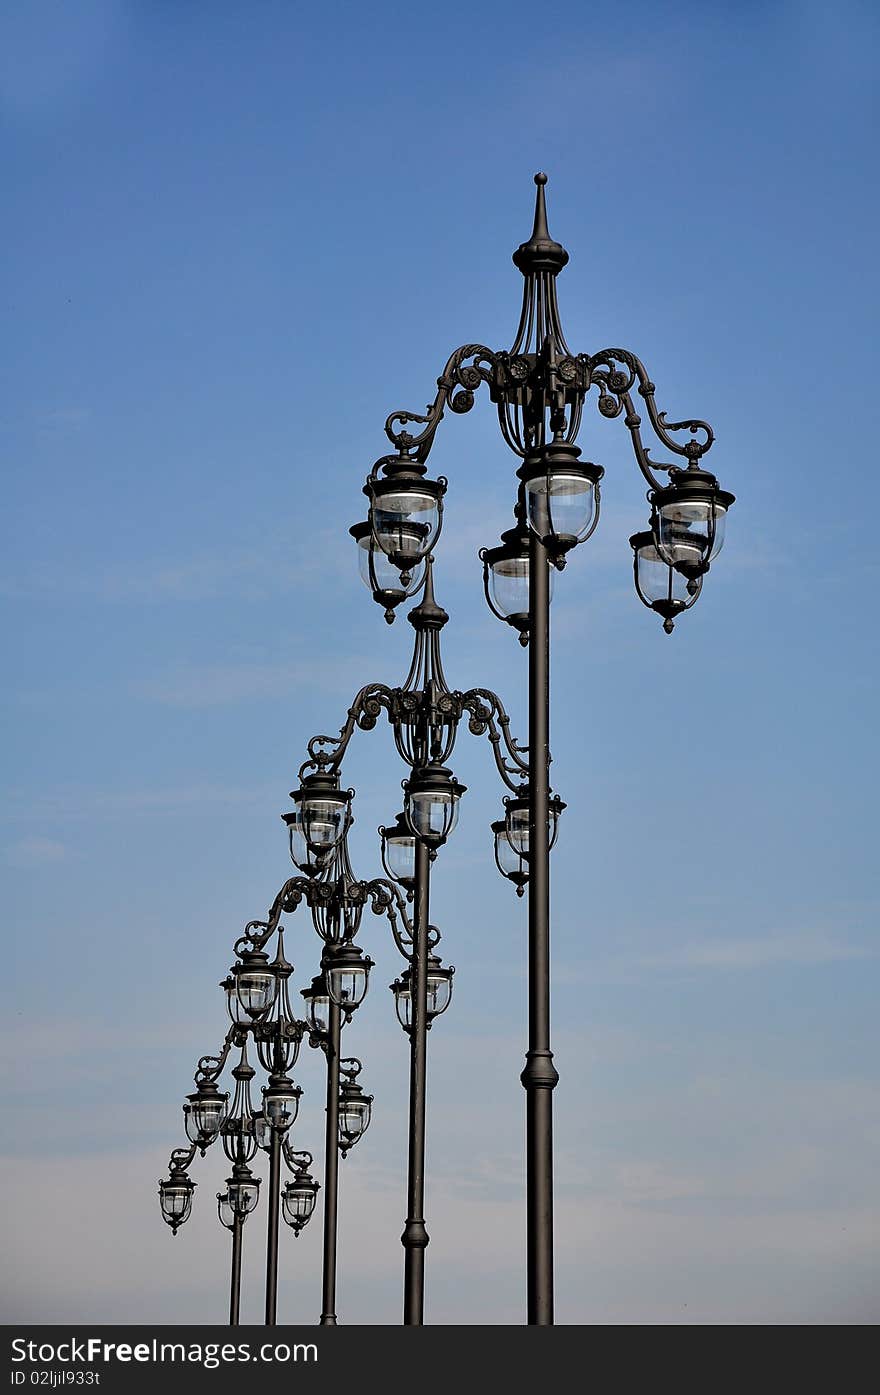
(455, 388)
(210, 1068)
(488, 717)
(362, 715)
(615, 386)
(181, 1158)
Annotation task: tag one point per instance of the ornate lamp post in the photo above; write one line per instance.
(539, 388)
(242, 1188)
(258, 1004)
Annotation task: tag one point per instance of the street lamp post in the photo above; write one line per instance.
(258, 1004)
(539, 388)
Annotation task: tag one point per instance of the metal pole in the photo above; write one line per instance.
(539, 1076)
(235, 1283)
(331, 1167)
(272, 1239)
(415, 1236)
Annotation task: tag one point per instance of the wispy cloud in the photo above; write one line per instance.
(250, 573)
(729, 954)
(34, 852)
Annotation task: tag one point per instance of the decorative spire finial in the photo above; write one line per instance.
(540, 253)
(428, 615)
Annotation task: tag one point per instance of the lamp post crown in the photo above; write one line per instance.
(541, 252)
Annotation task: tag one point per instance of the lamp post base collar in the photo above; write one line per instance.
(540, 1072)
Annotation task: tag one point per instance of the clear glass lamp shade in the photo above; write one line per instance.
(301, 855)
(255, 989)
(348, 985)
(280, 1107)
(406, 523)
(400, 857)
(437, 998)
(298, 1203)
(204, 1117)
(225, 1210)
(439, 993)
(509, 860)
(262, 1128)
(657, 579)
(319, 1014)
(377, 570)
(433, 813)
(509, 585)
(691, 531)
(517, 829)
(403, 1001)
(561, 505)
(354, 1118)
(175, 1200)
(244, 1195)
(322, 822)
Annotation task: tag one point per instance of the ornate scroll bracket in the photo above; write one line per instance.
(326, 752)
(488, 717)
(615, 384)
(455, 388)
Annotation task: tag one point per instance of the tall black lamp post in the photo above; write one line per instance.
(539, 387)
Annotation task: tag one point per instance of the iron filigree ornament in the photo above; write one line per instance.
(539, 388)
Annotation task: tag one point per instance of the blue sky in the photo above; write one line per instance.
(235, 238)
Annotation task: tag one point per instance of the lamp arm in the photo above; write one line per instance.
(388, 899)
(455, 389)
(297, 1161)
(363, 715)
(211, 1067)
(615, 384)
(258, 932)
(181, 1158)
(487, 715)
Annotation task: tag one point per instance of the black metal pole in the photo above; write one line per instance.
(235, 1283)
(539, 1076)
(331, 1167)
(415, 1236)
(272, 1238)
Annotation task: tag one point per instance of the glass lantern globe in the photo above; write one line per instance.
(406, 512)
(205, 1113)
(261, 1127)
(175, 1198)
(660, 586)
(347, 973)
(688, 522)
(319, 821)
(317, 1000)
(517, 822)
(561, 495)
(512, 837)
(281, 1102)
(509, 862)
(399, 852)
(506, 579)
(243, 1191)
(379, 573)
(225, 1211)
(255, 984)
(298, 1200)
(438, 996)
(354, 1114)
(431, 804)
